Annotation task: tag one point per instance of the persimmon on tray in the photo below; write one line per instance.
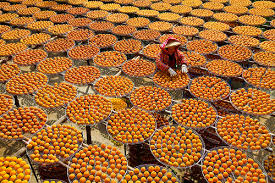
(176, 146)
(202, 46)
(83, 52)
(260, 77)
(131, 126)
(151, 98)
(11, 49)
(35, 39)
(26, 83)
(194, 113)
(54, 143)
(82, 75)
(268, 164)
(252, 101)
(265, 58)
(56, 95)
(6, 103)
(150, 173)
(243, 132)
(224, 68)
(162, 79)
(16, 169)
(97, 164)
(114, 86)
(138, 68)
(128, 46)
(30, 57)
(54, 65)
(89, 109)
(110, 59)
(152, 51)
(194, 59)
(59, 45)
(228, 164)
(18, 122)
(8, 71)
(235, 53)
(209, 88)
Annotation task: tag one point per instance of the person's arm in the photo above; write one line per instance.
(160, 65)
(184, 63)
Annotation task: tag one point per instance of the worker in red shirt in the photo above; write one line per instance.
(170, 58)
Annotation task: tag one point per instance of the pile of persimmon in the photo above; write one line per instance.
(202, 13)
(103, 40)
(8, 71)
(169, 17)
(97, 164)
(78, 11)
(4, 28)
(82, 75)
(151, 98)
(164, 80)
(59, 45)
(89, 109)
(110, 59)
(192, 3)
(192, 21)
(265, 12)
(83, 52)
(142, 3)
(21, 21)
(264, 58)
(235, 52)
(10, 49)
(146, 34)
(6, 17)
(253, 101)
(209, 88)
(160, 26)
(269, 166)
(131, 126)
(54, 65)
(40, 25)
(79, 22)
(224, 68)
(101, 26)
(54, 143)
(30, 57)
(242, 40)
(123, 30)
(36, 39)
(14, 170)
(194, 59)
(182, 39)
(247, 30)
(180, 9)
(176, 146)
(238, 10)
(185, 30)
(213, 5)
(128, 46)
(225, 17)
(252, 20)
(231, 129)
(61, 18)
(202, 46)
(138, 22)
(128, 9)
(147, 13)
(110, 6)
(194, 113)
(15, 34)
(160, 6)
(138, 67)
(230, 165)
(260, 77)
(26, 83)
(55, 96)
(117, 17)
(152, 51)
(268, 46)
(269, 34)
(44, 15)
(118, 104)
(17, 122)
(80, 34)
(213, 35)
(45, 4)
(97, 14)
(6, 103)
(61, 7)
(149, 173)
(93, 4)
(28, 11)
(60, 29)
(219, 26)
(114, 86)
(14, 7)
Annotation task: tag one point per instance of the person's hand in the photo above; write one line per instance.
(184, 68)
(172, 72)
(136, 58)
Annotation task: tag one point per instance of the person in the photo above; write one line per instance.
(170, 58)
